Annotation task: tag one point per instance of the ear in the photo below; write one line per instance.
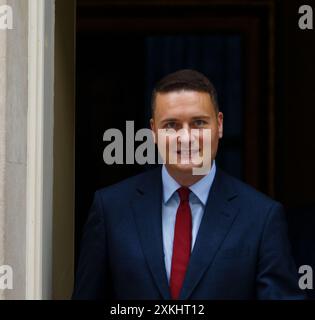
(153, 129)
(220, 124)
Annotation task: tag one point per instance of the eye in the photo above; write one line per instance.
(199, 123)
(170, 125)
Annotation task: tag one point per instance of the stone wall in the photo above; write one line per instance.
(13, 141)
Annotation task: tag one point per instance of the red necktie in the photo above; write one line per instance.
(181, 244)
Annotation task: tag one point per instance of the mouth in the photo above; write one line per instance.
(189, 152)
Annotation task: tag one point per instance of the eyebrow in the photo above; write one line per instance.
(201, 117)
(193, 118)
(169, 120)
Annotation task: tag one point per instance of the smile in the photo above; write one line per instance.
(188, 152)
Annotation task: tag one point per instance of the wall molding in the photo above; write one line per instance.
(40, 149)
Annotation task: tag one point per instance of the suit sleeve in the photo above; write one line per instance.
(91, 279)
(277, 276)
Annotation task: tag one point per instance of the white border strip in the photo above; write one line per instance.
(3, 98)
(34, 203)
(39, 149)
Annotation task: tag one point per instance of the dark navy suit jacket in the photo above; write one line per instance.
(241, 250)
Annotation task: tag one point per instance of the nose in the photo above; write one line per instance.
(188, 137)
(184, 134)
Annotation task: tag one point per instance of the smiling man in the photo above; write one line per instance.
(172, 234)
(182, 119)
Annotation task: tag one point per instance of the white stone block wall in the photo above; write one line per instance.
(27, 88)
(13, 142)
(3, 35)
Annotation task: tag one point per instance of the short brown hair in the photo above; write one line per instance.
(185, 79)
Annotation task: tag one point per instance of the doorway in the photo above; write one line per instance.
(123, 49)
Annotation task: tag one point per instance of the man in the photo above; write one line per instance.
(173, 234)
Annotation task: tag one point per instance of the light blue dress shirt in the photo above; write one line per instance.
(170, 202)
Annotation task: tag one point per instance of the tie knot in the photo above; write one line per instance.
(183, 193)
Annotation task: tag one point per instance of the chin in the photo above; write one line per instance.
(184, 168)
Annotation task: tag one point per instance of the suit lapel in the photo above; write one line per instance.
(215, 225)
(147, 207)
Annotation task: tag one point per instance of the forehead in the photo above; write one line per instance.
(183, 102)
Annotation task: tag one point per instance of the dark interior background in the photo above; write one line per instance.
(121, 54)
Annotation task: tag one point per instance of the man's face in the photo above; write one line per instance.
(179, 112)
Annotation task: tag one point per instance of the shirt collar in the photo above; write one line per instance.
(200, 189)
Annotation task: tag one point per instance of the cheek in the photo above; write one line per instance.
(167, 140)
(205, 140)
(214, 141)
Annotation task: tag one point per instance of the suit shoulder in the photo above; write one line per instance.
(249, 193)
(125, 186)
